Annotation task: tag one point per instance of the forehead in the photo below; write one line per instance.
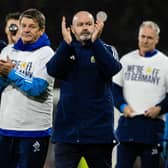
(12, 21)
(26, 20)
(147, 30)
(83, 17)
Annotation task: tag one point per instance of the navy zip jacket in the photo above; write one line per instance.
(84, 113)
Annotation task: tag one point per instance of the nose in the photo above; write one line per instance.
(26, 29)
(145, 39)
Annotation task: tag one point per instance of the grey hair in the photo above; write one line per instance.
(151, 24)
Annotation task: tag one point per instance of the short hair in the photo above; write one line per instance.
(151, 24)
(34, 14)
(14, 15)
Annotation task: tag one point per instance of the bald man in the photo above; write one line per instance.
(83, 123)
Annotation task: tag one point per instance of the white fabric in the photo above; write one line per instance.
(144, 80)
(17, 110)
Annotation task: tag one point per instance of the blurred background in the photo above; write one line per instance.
(121, 27)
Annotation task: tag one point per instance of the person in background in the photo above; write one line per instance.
(2, 45)
(83, 123)
(12, 27)
(26, 99)
(141, 95)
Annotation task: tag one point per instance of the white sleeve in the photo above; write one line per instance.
(41, 71)
(118, 78)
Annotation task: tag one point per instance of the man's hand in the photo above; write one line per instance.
(98, 30)
(66, 31)
(6, 66)
(152, 112)
(128, 111)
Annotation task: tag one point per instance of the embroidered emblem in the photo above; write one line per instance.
(154, 151)
(36, 146)
(92, 59)
(72, 57)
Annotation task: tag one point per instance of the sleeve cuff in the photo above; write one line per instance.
(122, 107)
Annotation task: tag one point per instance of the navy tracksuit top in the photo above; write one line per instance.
(84, 113)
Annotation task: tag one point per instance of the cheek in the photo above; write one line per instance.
(139, 43)
(35, 37)
(156, 42)
(92, 29)
(77, 31)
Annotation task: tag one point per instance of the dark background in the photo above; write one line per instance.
(121, 27)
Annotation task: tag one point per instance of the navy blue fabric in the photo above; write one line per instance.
(140, 129)
(166, 128)
(118, 95)
(128, 152)
(26, 134)
(96, 155)
(28, 153)
(85, 109)
(164, 104)
(149, 130)
(151, 53)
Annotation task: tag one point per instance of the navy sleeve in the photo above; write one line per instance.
(119, 100)
(60, 63)
(106, 59)
(164, 105)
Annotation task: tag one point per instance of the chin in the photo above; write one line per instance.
(85, 38)
(25, 40)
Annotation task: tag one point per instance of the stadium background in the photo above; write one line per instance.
(121, 27)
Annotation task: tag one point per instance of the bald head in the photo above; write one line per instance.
(82, 14)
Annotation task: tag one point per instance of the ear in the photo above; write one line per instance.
(157, 40)
(42, 31)
(72, 29)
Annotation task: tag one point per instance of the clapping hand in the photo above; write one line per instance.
(6, 66)
(98, 30)
(66, 31)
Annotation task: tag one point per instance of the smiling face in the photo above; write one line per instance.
(83, 26)
(30, 30)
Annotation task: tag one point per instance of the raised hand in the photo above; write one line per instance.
(99, 25)
(66, 31)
